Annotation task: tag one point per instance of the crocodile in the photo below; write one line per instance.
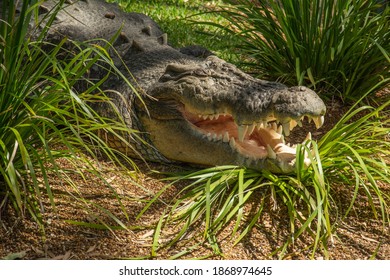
(199, 108)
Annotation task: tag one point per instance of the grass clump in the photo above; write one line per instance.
(43, 116)
(335, 47)
(348, 162)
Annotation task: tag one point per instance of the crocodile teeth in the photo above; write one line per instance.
(318, 121)
(286, 128)
(242, 130)
(271, 153)
(232, 143)
(299, 122)
(308, 136)
(251, 128)
(293, 124)
(226, 137)
(260, 125)
(280, 129)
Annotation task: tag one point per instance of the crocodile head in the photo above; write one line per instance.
(211, 113)
(203, 111)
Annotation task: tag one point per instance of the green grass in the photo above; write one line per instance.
(334, 47)
(178, 19)
(44, 116)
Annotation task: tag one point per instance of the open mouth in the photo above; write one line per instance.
(259, 140)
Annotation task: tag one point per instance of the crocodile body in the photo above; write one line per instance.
(200, 109)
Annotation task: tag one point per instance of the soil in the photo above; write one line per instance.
(359, 236)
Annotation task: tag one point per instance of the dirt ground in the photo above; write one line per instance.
(359, 236)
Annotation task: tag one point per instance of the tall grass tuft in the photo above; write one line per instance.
(43, 117)
(332, 46)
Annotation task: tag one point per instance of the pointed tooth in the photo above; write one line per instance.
(308, 136)
(282, 138)
(274, 126)
(293, 124)
(232, 143)
(209, 136)
(214, 136)
(251, 128)
(219, 137)
(226, 137)
(271, 153)
(280, 129)
(265, 124)
(299, 122)
(242, 129)
(286, 128)
(260, 125)
(318, 121)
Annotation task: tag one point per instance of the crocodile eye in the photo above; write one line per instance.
(109, 15)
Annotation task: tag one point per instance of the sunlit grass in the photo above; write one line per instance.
(45, 116)
(177, 19)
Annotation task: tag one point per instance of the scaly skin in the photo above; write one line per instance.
(201, 109)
